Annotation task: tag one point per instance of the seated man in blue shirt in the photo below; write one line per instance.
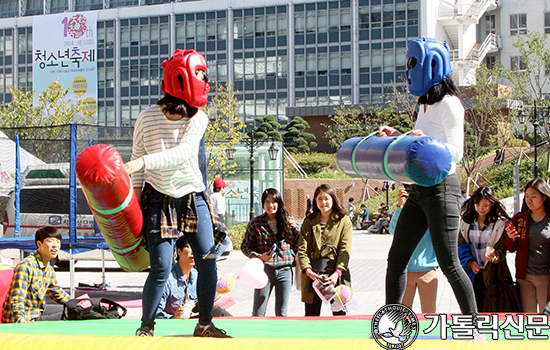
(181, 287)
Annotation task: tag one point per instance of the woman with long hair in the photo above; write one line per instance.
(328, 224)
(273, 229)
(530, 239)
(481, 243)
(437, 208)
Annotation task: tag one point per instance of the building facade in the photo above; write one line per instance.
(277, 54)
(284, 58)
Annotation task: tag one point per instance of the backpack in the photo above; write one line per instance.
(91, 308)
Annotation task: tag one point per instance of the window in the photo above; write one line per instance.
(282, 66)
(518, 24)
(490, 61)
(322, 21)
(490, 24)
(239, 68)
(364, 62)
(281, 24)
(547, 22)
(271, 25)
(376, 16)
(517, 62)
(363, 18)
(237, 28)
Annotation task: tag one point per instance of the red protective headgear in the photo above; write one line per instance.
(180, 79)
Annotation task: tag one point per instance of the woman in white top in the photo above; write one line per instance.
(436, 208)
(167, 179)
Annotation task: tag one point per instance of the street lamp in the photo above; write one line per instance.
(251, 143)
(535, 121)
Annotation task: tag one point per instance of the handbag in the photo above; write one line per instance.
(91, 308)
(502, 294)
(327, 266)
(502, 297)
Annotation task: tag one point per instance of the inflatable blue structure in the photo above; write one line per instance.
(425, 161)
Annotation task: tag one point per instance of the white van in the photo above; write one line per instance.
(44, 201)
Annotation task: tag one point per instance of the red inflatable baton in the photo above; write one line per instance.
(108, 189)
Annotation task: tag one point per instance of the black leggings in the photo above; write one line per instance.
(437, 208)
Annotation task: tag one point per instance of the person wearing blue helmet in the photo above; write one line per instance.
(437, 208)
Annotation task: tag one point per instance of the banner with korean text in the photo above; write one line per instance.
(65, 56)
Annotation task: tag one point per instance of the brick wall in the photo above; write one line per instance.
(297, 189)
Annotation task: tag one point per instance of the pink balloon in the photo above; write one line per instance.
(252, 274)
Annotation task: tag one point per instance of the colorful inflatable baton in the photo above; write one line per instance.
(108, 189)
(423, 160)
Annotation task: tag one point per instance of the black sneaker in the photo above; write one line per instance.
(144, 331)
(210, 331)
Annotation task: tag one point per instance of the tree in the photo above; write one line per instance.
(358, 121)
(47, 121)
(296, 140)
(529, 75)
(223, 131)
(268, 128)
(486, 122)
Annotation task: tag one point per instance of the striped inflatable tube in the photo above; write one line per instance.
(108, 189)
(425, 161)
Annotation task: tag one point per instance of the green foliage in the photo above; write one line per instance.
(332, 171)
(374, 202)
(358, 121)
(236, 233)
(487, 127)
(268, 128)
(528, 83)
(501, 179)
(224, 127)
(54, 108)
(296, 140)
(315, 163)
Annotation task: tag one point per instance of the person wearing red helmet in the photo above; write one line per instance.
(168, 181)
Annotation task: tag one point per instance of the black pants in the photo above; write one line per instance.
(436, 208)
(479, 290)
(314, 309)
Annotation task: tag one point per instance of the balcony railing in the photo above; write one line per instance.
(473, 10)
(478, 51)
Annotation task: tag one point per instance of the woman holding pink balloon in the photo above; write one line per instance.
(273, 238)
(328, 224)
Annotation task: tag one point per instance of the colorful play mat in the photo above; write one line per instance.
(342, 333)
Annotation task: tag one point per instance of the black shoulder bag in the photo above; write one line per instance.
(91, 308)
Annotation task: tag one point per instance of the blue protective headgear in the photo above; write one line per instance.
(428, 64)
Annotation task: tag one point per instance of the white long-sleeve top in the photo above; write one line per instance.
(444, 120)
(170, 152)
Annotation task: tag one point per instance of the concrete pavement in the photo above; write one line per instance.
(368, 269)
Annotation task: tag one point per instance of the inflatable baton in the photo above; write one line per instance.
(423, 160)
(108, 189)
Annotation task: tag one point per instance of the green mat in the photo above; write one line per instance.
(236, 327)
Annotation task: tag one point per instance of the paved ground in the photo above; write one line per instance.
(368, 269)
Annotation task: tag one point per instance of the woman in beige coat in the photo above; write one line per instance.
(328, 224)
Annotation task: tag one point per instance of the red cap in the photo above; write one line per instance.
(219, 183)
